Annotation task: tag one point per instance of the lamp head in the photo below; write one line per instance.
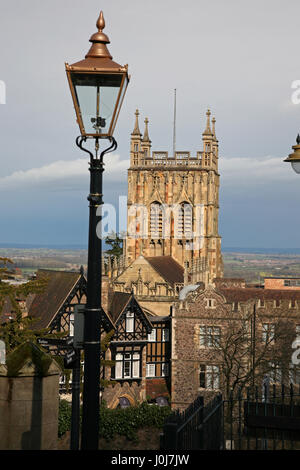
(98, 86)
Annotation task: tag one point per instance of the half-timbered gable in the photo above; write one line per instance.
(127, 350)
(131, 322)
(54, 307)
(131, 332)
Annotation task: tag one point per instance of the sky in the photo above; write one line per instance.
(239, 58)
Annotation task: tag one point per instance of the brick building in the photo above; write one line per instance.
(226, 337)
(282, 283)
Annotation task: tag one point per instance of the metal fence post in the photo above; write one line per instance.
(169, 440)
(200, 425)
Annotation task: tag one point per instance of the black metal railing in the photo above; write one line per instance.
(263, 419)
(259, 418)
(198, 427)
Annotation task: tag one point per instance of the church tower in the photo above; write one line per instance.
(173, 204)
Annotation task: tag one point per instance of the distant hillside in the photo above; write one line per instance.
(279, 251)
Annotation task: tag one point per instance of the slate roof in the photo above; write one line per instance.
(168, 268)
(46, 305)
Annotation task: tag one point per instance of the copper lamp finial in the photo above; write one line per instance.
(100, 22)
(99, 41)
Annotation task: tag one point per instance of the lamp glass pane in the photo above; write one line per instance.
(296, 166)
(96, 98)
(123, 91)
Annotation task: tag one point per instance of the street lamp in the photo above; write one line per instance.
(294, 158)
(97, 86)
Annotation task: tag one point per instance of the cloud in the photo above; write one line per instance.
(74, 175)
(64, 175)
(253, 171)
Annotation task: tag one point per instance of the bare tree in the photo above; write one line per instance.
(248, 352)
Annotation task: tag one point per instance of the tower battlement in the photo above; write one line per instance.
(180, 159)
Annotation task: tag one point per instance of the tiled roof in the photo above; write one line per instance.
(244, 294)
(168, 268)
(46, 305)
(117, 304)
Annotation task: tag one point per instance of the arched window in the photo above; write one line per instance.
(156, 220)
(185, 221)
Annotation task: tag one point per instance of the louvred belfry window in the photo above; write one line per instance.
(184, 224)
(156, 220)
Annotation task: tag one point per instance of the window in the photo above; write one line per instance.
(127, 365)
(261, 303)
(184, 221)
(71, 325)
(276, 303)
(152, 335)
(235, 306)
(293, 303)
(150, 370)
(268, 332)
(157, 369)
(292, 282)
(136, 147)
(156, 220)
(165, 335)
(210, 336)
(209, 377)
(129, 322)
(165, 369)
(210, 303)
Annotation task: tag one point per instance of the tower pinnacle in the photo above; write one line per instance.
(146, 134)
(136, 130)
(208, 129)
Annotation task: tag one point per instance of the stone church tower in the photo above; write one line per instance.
(173, 205)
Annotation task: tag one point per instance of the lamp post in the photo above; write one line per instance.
(97, 86)
(294, 158)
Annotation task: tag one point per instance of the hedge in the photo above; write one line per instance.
(122, 421)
